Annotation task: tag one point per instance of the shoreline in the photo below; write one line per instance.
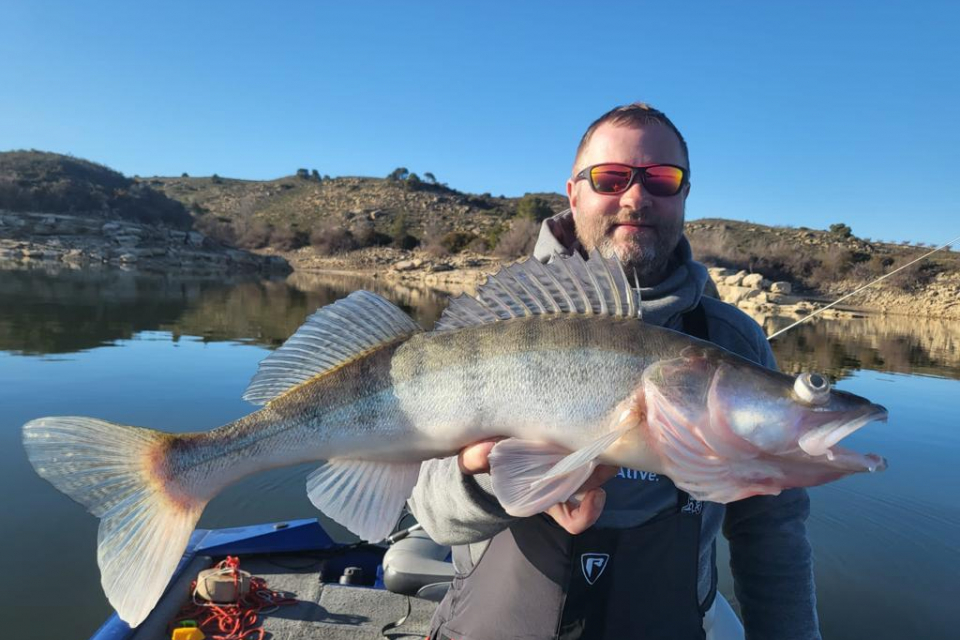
(53, 241)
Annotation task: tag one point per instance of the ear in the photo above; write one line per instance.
(572, 195)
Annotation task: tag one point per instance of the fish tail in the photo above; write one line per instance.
(122, 475)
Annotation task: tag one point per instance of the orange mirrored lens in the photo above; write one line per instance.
(663, 181)
(610, 178)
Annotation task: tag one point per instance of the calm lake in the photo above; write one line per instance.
(177, 354)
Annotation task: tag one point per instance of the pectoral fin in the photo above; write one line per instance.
(529, 477)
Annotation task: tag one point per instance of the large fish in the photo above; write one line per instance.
(551, 356)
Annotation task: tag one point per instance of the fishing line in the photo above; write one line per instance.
(869, 284)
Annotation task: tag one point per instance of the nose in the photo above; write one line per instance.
(636, 197)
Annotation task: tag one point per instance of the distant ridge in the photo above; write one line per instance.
(38, 181)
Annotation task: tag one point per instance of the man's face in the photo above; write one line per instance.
(641, 229)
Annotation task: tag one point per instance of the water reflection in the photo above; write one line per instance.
(43, 313)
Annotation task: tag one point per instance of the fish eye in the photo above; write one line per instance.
(812, 388)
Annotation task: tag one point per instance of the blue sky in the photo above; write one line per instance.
(796, 113)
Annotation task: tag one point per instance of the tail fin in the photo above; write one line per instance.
(117, 473)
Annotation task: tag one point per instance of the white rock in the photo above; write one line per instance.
(781, 287)
(754, 281)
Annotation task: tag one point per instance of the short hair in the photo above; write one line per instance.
(637, 114)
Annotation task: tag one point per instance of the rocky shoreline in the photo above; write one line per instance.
(74, 241)
(31, 240)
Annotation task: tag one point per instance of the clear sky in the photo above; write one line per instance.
(796, 112)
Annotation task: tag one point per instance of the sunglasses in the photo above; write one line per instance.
(613, 179)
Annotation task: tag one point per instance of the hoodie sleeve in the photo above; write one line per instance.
(454, 508)
(771, 559)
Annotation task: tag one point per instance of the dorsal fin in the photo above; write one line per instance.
(333, 335)
(567, 285)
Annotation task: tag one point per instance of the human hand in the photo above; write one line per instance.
(578, 516)
(474, 458)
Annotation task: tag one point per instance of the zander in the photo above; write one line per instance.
(553, 357)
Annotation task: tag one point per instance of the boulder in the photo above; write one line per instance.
(195, 239)
(735, 280)
(754, 281)
(781, 287)
(405, 265)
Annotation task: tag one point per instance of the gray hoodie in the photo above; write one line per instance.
(770, 556)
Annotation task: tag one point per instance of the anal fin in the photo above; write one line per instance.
(362, 495)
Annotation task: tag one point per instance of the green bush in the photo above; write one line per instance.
(457, 241)
(842, 230)
(533, 208)
(400, 235)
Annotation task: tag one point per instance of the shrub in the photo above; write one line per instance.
(841, 230)
(332, 238)
(400, 173)
(400, 234)
(367, 236)
(412, 183)
(215, 179)
(519, 239)
(288, 238)
(534, 208)
(253, 234)
(457, 241)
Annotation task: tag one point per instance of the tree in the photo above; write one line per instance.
(430, 178)
(315, 175)
(400, 173)
(533, 208)
(413, 182)
(842, 230)
(303, 174)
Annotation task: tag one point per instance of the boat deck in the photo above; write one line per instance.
(327, 611)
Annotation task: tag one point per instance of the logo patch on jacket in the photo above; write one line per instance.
(593, 565)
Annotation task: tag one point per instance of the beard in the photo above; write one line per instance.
(647, 255)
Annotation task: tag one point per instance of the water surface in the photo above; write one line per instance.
(176, 354)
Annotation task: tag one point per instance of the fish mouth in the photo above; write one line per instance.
(822, 441)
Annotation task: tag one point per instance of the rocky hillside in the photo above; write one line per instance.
(296, 210)
(36, 181)
(57, 209)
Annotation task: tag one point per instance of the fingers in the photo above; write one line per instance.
(600, 476)
(576, 519)
(474, 458)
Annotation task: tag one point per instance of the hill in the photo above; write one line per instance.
(350, 212)
(37, 181)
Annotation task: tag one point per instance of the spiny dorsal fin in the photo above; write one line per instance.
(333, 335)
(567, 285)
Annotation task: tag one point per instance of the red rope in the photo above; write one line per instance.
(237, 621)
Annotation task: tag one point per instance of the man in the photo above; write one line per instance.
(539, 577)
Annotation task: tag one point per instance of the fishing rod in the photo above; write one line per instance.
(869, 284)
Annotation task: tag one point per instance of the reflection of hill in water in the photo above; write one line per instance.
(74, 310)
(68, 311)
(898, 344)
(269, 312)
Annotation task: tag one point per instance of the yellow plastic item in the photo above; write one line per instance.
(187, 631)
